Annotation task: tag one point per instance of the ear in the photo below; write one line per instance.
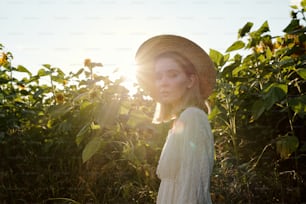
(192, 80)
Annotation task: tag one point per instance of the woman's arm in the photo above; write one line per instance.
(194, 135)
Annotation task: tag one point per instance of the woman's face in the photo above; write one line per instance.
(171, 81)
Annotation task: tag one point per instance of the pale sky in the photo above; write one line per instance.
(65, 32)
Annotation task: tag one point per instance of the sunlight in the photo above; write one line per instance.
(128, 72)
(295, 2)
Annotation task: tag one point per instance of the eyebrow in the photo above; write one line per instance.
(170, 70)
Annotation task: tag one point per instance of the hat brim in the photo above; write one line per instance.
(153, 47)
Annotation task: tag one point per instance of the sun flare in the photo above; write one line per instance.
(128, 72)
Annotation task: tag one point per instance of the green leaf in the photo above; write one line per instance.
(286, 145)
(59, 110)
(303, 4)
(92, 147)
(124, 107)
(302, 72)
(106, 114)
(21, 68)
(279, 89)
(60, 72)
(214, 112)
(137, 118)
(58, 79)
(227, 71)
(85, 105)
(298, 105)
(294, 6)
(263, 28)
(245, 29)
(94, 126)
(82, 133)
(286, 62)
(237, 70)
(216, 57)
(48, 66)
(269, 53)
(293, 25)
(236, 46)
(274, 93)
(42, 72)
(78, 73)
(258, 109)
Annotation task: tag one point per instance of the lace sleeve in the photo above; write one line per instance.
(196, 157)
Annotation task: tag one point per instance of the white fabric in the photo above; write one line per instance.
(186, 161)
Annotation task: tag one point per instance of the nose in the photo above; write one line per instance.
(162, 82)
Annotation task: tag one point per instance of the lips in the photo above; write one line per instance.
(164, 93)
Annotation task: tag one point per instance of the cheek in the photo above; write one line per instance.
(181, 83)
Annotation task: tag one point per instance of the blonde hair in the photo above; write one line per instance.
(166, 112)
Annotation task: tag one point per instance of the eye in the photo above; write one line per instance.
(172, 74)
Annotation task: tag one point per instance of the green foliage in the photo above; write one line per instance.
(236, 46)
(259, 116)
(74, 139)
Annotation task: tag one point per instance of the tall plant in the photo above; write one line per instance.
(259, 115)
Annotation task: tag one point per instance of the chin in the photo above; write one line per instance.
(165, 101)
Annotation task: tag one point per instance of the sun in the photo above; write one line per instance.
(128, 72)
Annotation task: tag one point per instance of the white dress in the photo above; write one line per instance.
(186, 161)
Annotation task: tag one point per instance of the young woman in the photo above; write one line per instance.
(180, 76)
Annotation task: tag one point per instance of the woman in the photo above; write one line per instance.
(180, 76)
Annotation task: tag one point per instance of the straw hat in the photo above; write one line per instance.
(153, 47)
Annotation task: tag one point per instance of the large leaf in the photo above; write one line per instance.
(302, 72)
(258, 109)
(236, 71)
(78, 73)
(236, 46)
(286, 145)
(82, 133)
(216, 57)
(43, 72)
(274, 93)
(214, 112)
(92, 147)
(58, 79)
(48, 66)
(286, 62)
(245, 29)
(298, 105)
(293, 25)
(263, 28)
(137, 118)
(269, 53)
(227, 71)
(21, 68)
(60, 72)
(106, 114)
(59, 110)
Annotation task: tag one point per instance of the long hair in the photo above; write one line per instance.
(166, 112)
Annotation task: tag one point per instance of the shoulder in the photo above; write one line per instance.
(191, 113)
(194, 122)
